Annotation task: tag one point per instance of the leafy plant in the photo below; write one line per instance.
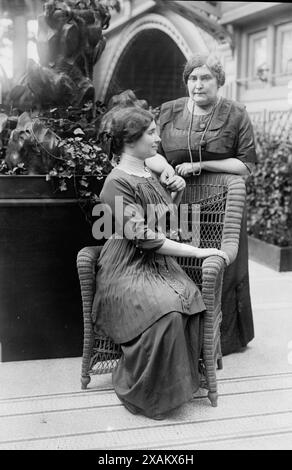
(60, 143)
(269, 190)
(84, 161)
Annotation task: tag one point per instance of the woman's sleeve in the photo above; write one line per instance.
(129, 216)
(246, 145)
(165, 116)
(161, 151)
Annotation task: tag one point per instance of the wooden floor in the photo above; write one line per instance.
(43, 407)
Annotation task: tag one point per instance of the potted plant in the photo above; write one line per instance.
(58, 156)
(269, 198)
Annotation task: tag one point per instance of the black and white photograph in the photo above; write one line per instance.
(145, 228)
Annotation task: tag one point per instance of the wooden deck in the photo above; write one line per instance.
(43, 407)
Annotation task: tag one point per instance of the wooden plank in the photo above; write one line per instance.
(159, 436)
(274, 441)
(114, 427)
(99, 399)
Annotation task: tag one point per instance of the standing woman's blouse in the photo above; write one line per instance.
(229, 134)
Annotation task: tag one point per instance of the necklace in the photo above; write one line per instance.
(192, 105)
(133, 166)
(202, 142)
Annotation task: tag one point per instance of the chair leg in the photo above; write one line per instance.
(85, 379)
(220, 363)
(213, 397)
(210, 366)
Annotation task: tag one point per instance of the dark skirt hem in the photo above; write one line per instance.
(158, 371)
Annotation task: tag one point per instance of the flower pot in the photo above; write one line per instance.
(275, 257)
(41, 233)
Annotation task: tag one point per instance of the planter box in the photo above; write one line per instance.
(40, 236)
(275, 257)
(34, 186)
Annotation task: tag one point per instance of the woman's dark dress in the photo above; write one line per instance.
(229, 135)
(146, 302)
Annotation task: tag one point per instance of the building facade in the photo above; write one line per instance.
(149, 41)
(260, 63)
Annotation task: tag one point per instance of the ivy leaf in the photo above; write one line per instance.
(63, 186)
(3, 121)
(78, 131)
(84, 183)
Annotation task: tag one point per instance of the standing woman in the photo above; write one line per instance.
(144, 301)
(207, 132)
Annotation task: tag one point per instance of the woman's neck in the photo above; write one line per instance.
(201, 110)
(133, 165)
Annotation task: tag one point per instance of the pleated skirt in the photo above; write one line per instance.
(158, 370)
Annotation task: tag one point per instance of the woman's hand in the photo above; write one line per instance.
(187, 168)
(174, 248)
(205, 252)
(166, 174)
(175, 183)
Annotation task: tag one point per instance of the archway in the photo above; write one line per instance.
(151, 65)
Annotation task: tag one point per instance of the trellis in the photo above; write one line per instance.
(275, 122)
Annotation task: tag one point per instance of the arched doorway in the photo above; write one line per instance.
(151, 65)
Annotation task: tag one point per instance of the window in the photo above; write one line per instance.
(265, 59)
(284, 49)
(32, 53)
(6, 48)
(228, 89)
(257, 59)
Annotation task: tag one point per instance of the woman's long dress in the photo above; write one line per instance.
(229, 135)
(145, 301)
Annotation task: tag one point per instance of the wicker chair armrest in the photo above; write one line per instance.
(231, 249)
(212, 271)
(233, 217)
(86, 265)
(212, 277)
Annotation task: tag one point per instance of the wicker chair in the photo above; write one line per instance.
(221, 198)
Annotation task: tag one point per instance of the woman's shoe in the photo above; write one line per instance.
(130, 408)
(135, 411)
(159, 417)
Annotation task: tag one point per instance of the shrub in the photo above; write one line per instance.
(269, 189)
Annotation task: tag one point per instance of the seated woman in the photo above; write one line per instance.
(157, 163)
(144, 301)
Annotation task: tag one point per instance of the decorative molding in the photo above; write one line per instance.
(203, 15)
(150, 21)
(211, 42)
(242, 12)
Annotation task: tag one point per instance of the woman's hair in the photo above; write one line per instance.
(125, 99)
(122, 101)
(127, 125)
(211, 61)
